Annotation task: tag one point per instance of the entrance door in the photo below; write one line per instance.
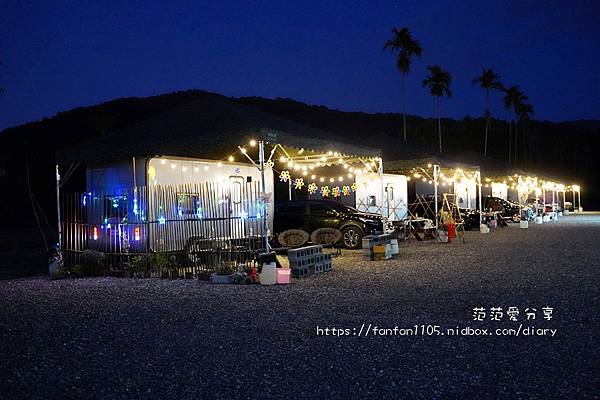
(237, 215)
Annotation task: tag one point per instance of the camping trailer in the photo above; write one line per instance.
(174, 200)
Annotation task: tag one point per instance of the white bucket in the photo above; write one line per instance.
(268, 276)
(395, 247)
(546, 218)
(524, 224)
(484, 229)
(566, 212)
(442, 236)
(538, 220)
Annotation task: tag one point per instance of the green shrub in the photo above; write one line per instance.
(77, 271)
(92, 258)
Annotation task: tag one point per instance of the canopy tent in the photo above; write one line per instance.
(215, 129)
(503, 180)
(434, 174)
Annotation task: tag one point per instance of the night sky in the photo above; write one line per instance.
(59, 55)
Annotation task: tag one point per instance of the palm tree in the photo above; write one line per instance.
(513, 98)
(438, 81)
(488, 80)
(406, 46)
(523, 112)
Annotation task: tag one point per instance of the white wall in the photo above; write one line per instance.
(500, 190)
(466, 193)
(395, 195)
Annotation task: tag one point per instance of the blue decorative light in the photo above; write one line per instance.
(162, 220)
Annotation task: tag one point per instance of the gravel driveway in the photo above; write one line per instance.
(162, 339)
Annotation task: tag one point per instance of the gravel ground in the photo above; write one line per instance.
(151, 338)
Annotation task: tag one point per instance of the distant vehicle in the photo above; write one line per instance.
(470, 218)
(507, 209)
(310, 215)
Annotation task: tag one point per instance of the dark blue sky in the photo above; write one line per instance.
(59, 55)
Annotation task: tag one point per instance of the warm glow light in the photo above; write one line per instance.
(282, 159)
(244, 151)
(313, 177)
(253, 143)
(163, 162)
(349, 175)
(184, 169)
(331, 179)
(230, 158)
(322, 179)
(206, 167)
(173, 166)
(341, 178)
(219, 164)
(196, 169)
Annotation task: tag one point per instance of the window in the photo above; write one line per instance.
(187, 204)
(320, 210)
(295, 209)
(390, 192)
(115, 208)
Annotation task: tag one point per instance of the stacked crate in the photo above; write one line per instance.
(377, 247)
(309, 260)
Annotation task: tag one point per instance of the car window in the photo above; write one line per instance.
(295, 209)
(342, 207)
(320, 210)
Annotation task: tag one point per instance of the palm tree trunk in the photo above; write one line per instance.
(516, 138)
(509, 141)
(404, 104)
(439, 122)
(487, 121)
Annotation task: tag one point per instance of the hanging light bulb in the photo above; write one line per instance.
(230, 158)
(253, 143)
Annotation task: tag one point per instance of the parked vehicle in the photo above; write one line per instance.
(508, 209)
(310, 215)
(470, 218)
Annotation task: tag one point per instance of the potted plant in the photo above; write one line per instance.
(225, 273)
